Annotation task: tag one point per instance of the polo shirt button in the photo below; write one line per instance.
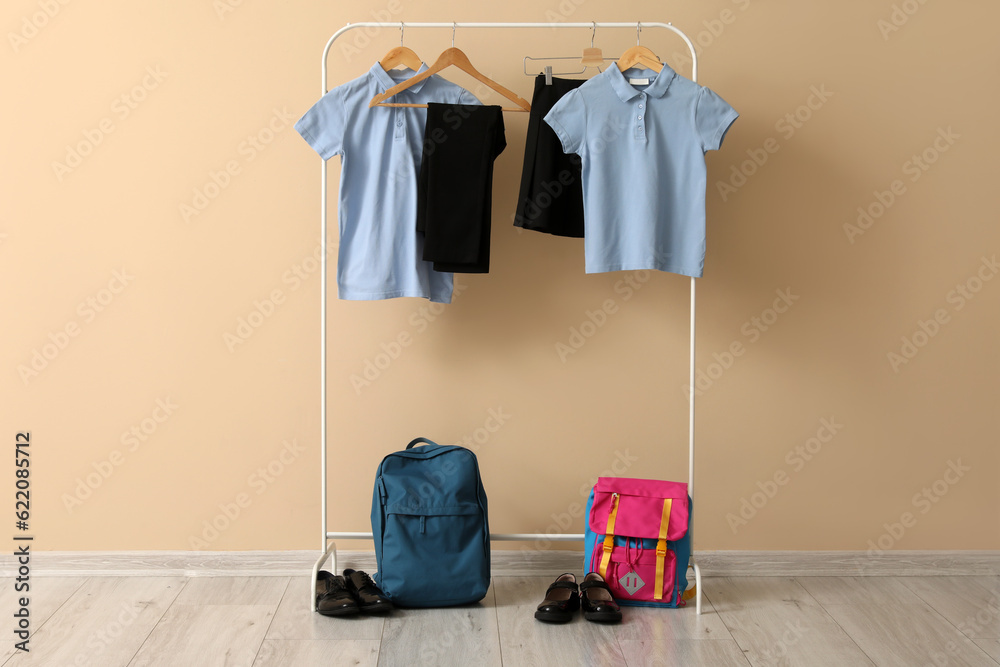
(640, 106)
(640, 117)
(399, 123)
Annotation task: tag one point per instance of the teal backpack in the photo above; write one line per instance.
(430, 526)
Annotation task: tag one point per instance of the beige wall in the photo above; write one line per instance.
(103, 250)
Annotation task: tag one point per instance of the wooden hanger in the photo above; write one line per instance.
(639, 55)
(448, 57)
(401, 55)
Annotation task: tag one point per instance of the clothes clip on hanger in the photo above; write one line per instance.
(548, 75)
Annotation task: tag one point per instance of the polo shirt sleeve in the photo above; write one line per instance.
(323, 126)
(568, 119)
(712, 117)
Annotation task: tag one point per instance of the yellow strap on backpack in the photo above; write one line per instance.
(661, 549)
(609, 537)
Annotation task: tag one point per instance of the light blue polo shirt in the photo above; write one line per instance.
(642, 138)
(380, 250)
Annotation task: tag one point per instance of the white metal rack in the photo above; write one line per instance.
(330, 547)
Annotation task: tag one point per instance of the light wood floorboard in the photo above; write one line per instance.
(642, 623)
(990, 646)
(45, 596)
(861, 591)
(295, 620)
(776, 622)
(460, 636)
(528, 642)
(972, 604)
(317, 653)
(261, 621)
(227, 635)
(910, 634)
(233, 590)
(658, 653)
(104, 622)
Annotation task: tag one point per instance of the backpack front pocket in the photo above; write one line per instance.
(450, 538)
(631, 573)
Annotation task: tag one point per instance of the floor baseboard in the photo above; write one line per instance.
(510, 563)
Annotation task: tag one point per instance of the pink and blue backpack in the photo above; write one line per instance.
(638, 538)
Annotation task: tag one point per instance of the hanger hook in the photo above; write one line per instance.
(638, 29)
(593, 31)
(453, 26)
(402, 27)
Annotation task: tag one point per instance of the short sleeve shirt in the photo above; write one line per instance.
(380, 253)
(642, 138)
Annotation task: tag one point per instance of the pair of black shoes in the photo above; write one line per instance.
(564, 597)
(348, 595)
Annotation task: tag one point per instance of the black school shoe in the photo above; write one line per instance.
(332, 596)
(370, 599)
(598, 605)
(562, 599)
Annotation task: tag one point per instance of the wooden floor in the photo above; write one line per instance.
(265, 621)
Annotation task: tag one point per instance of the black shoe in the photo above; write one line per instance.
(595, 597)
(332, 596)
(370, 599)
(561, 599)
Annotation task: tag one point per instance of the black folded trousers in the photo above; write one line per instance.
(455, 185)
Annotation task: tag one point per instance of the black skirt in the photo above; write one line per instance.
(455, 185)
(551, 196)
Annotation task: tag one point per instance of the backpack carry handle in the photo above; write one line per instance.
(418, 440)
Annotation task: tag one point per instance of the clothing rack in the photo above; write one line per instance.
(330, 547)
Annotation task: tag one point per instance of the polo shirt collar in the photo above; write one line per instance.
(386, 82)
(626, 92)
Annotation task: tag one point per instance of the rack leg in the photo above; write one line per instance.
(330, 550)
(697, 586)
